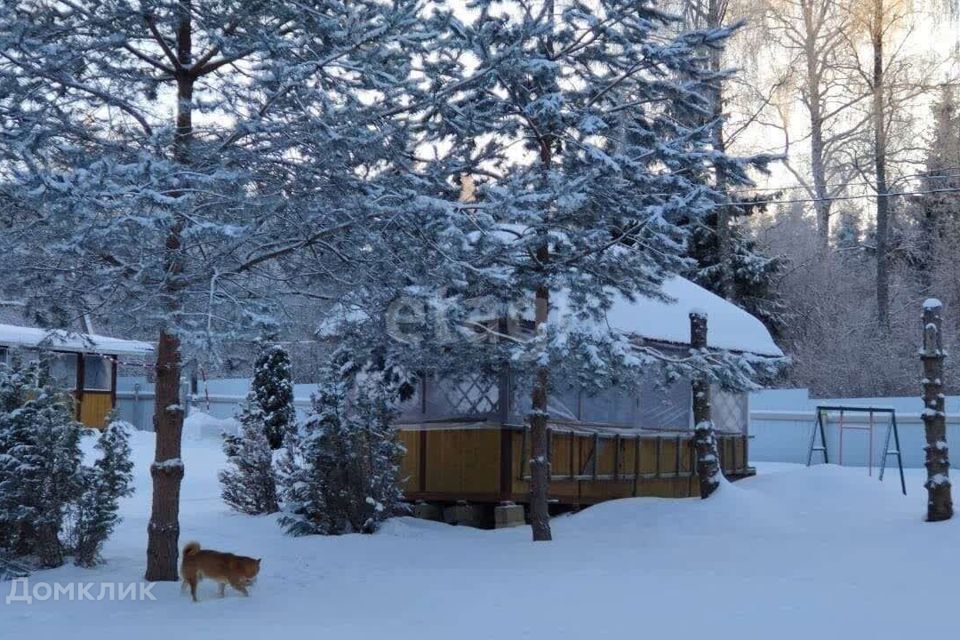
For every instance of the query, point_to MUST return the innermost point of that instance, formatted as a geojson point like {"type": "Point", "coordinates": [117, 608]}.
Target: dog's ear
{"type": "Point", "coordinates": [258, 561]}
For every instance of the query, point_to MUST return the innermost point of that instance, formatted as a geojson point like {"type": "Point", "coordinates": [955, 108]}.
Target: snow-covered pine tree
{"type": "Point", "coordinates": [848, 230]}
{"type": "Point", "coordinates": [266, 418]}
{"type": "Point", "coordinates": [248, 483]}
{"type": "Point", "coordinates": [167, 160]}
{"type": "Point", "coordinates": [374, 411]}
{"type": "Point", "coordinates": [750, 276]}
{"type": "Point", "coordinates": [937, 212]}
{"type": "Point", "coordinates": [306, 464]}
{"type": "Point", "coordinates": [40, 464]}
{"type": "Point", "coordinates": [343, 474]}
{"type": "Point", "coordinates": [272, 392]}
{"type": "Point", "coordinates": [566, 114]}
{"type": "Point", "coordinates": [109, 479]}
{"type": "Point", "coordinates": [728, 261]}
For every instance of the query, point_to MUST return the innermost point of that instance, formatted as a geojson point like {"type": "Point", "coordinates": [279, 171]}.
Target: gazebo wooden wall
{"type": "Point", "coordinates": [94, 405]}
{"type": "Point", "coordinates": [487, 463]}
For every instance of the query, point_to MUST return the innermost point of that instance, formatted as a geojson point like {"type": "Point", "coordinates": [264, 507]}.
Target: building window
{"type": "Point", "coordinates": [63, 370]}
{"type": "Point", "coordinates": [97, 373]}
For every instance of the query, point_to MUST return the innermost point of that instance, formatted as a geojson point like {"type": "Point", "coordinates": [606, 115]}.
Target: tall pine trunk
{"type": "Point", "coordinates": [880, 167]}
{"type": "Point", "coordinates": [539, 444]}
{"type": "Point", "coordinates": [939, 501]}
{"type": "Point", "coordinates": [163, 532]}
{"type": "Point", "coordinates": [704, 437]}
{"type": "Point", "coordinates": [724, 243]}
{"type": "Point", "coordinates": [540, 456]}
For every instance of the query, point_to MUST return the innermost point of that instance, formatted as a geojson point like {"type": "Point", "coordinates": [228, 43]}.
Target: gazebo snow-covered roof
{"type": "Point", "coordinates": [731, 328]}
{"type": "Point", "coordinates": [59, 340]}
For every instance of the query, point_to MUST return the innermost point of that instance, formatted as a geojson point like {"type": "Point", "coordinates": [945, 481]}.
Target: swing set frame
{"type": "Point", "coordinates": [819, 428]}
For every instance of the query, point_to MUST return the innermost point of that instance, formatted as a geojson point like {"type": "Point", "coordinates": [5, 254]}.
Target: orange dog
{"type": "Point", "coordinates": [226, 568]}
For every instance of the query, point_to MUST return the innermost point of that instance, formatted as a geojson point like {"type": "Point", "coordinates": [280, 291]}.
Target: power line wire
{"type": "Point", "coordinates": [872, 196]}
{"type": "Point", "coordinates": [867, 183]}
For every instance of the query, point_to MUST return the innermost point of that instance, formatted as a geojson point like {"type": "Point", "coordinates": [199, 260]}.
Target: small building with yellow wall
{"type": "Point", "coordinates": [468, 439]}
{"type": "Point", "coordinates": [84, 364]}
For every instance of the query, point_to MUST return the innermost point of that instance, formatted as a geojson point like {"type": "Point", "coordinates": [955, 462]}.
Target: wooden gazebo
{"type": "Point", "coordinates": [84, 364]}
{"type": "Point", "coordinates": [467, 439]}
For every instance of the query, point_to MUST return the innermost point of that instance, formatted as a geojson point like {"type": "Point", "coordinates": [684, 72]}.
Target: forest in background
{"type": "Point", "coordinates": [858, 222]}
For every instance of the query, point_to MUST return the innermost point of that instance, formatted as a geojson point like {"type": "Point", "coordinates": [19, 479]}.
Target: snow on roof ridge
{"type": "Point", "coordinates": [728, 326]}
{"type": "Point", "coordinates": [32, 337]}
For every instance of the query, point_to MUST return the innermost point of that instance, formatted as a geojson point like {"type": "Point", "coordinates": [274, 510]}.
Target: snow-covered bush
{"type": "Point", "coordinates": [342, 476]}
{"type": "Point", "coordinates": [248, 484]}
{"type": "Point", "coordinates": [272, 393]}
{"type": "Point", "coordinates": [16, 383]}
{"type": "Point", "coordinates": [108, 480]}
{"type": "Point", "coordinates": [50, 503]}
{"type": "Point", "coordinates": [266, 419]}
{"type": "Point", "coordinates": [40, 464]}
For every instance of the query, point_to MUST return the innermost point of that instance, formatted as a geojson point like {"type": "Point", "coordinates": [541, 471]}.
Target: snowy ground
{"type": "Point", "coordinates": [794, 553]}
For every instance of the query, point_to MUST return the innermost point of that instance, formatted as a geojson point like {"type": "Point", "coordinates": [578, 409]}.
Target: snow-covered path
{"type": "Point", "coordinates": [793, 553]}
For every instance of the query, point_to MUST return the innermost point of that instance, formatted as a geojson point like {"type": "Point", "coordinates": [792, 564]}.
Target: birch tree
{"type": "Point", "coordinates": [813, 34]}
{"type": "Point", "coordinates": [894, 80]}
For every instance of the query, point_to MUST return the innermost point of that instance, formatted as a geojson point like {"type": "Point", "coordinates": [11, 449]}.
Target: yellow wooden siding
{"type": "Point", "coordinates": [95, 406]}
{"type": "Point", "coordinates": [464, 461]}
{"type": "Point", "coordinates": [464, 464]}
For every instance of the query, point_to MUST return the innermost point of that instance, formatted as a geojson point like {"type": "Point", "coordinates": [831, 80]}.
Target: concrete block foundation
{"type": "Point", "coordinates": [428, 511]}
{"type": "Point", "coordinates": [469, 515]}
{"type": "Point", "coordinates": [509, 515]}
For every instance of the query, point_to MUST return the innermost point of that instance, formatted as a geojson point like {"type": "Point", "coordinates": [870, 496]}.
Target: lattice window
{"type": "Point", "coordinates": [729, 410]}
{"type": "Point", "coordinates": [467, 396]}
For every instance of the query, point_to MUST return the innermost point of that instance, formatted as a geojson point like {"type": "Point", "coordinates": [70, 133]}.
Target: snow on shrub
{"type": "Point", "coordinates": [108, 480]}
{"type": "Point", "coordinates": [266, 419]}
{"type": "Point", "coordinates": [50, 503]}
{"type": "Point", "coordinates": [341, 475]}
{"type": "Point", "coordinates": [248, 483]}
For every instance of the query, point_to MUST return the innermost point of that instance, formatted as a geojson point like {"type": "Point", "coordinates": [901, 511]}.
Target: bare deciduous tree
{"type": "Point", "coordinates": [812, 34]}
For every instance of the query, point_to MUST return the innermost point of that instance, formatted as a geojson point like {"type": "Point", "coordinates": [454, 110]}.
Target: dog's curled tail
{"type": "Point", "coordinates": [191, 548]}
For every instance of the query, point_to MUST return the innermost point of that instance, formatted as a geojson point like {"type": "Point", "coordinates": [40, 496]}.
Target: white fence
{"type": "Point", "coordinates": [784, 436]}
{"type": "Point", "coordinates": [136, 406]}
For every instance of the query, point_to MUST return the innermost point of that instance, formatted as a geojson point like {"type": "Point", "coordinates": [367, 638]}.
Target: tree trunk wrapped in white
{"type": "Point", "coordinates": [939, 501]}
{"type": "Point", "coordinates": [709, 472]}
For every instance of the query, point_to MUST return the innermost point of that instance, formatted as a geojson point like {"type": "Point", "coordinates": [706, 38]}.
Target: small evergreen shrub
{"type": "Point", "coordinates": [50, 503]}
{"type": "Point", "coordinates": [272, 392]}
{"type": "Point", "coordinates": [108, 480]}
{"type": "Point", "coordinates": [41, 474]}
{"type": "Point", "coordinates": [343, 474]}
{"type": "Point", "coordinates": [248, 485]}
